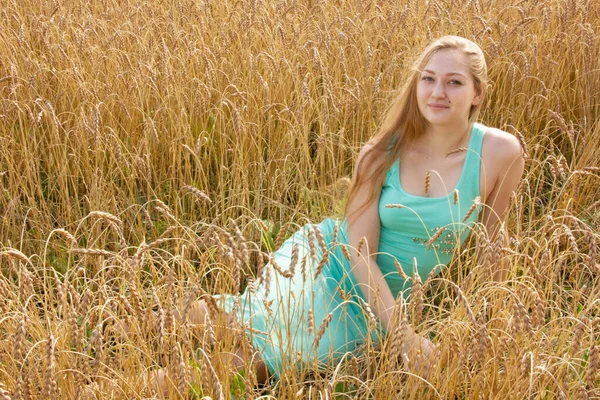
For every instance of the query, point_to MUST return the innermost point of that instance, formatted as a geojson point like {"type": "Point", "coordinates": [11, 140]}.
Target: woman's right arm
{"type": "Point", "coordinates": [365, 269]}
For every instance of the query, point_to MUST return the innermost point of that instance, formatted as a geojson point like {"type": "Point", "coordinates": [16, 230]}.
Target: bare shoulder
{"type": "Point", "coordinates": [367, 154]}
{"type": "Point", "coordinates": [503, 160]}
{"type": "Point", "coordinates": [503, 165]}
{"type": "Point", "coordinates": [500, 145]}
{"type": "Point", "coordinates": [366, 149]}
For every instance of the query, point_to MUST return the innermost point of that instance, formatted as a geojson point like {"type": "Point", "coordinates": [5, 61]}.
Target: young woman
{"type": "Point", "coordinates": [431, 162]}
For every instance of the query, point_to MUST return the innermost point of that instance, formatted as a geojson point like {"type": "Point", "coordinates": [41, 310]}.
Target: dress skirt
{"type": "Point", "coordinates": [307, 313]}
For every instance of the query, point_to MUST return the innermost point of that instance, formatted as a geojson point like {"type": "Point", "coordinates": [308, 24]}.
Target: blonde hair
{"type": "Point", "coordinates": [404, 122]}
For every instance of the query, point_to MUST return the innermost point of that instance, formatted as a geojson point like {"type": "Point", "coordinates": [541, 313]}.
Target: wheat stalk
{"type": "Point", "coordinates": [427, 182]}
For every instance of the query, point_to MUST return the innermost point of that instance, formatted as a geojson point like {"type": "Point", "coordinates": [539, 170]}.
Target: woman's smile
{"type": "Point", "coordinates": [436, 106]}
{"type": "Point", "coordinates": [446, 89]}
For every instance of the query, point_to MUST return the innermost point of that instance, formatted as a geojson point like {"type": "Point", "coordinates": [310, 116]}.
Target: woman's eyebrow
{"type": "Point", "coordinates": [448, 74]}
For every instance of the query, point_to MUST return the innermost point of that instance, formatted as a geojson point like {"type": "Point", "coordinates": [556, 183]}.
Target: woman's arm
{"type": "Point", "coordinates": [365, 268]}
{"type": "Point", "coordinates": [504, 164]}
{"type": "Point", "coordinates": [366, 271]}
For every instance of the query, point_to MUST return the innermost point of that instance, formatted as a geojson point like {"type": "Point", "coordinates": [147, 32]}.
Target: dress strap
{"type": "Point", "coordinates": [392, 172]}
{"type": "Point", "coordinates": [472, 166]}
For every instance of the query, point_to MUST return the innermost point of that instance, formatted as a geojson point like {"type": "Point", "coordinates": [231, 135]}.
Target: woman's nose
{"type": "Point", "coordinates": [438, 90]}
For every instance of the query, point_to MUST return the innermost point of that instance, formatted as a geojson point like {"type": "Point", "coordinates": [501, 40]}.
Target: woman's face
{"type": "Point", "coordinates": [446, 89]}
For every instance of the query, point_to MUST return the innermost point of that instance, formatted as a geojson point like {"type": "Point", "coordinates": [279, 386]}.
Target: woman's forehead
{"type": "Point", "coordinates": [447, 62]}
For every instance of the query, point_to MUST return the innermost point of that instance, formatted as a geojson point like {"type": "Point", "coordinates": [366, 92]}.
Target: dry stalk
{"type": "Point", "coordinates": [592, 367]}
{"type": "Point", "coordinates": [476, 202]}
{"type": "Point", "coordinates": [527, 363]}
{"type": "Point", "coordinates": [312, 245]}
{"type": "Point", "coordinates": [93, 252]}
{"type": "Point", "coordinates": [521, 321]}
{"type": "Point", "coordinates": [7, 295]}
{"type": "Point", "coordinates": [20, 336]}
{"type": "Point", "coordinates": [26, 288]}
{"type": "Point", "coordinates": [160, 320]}
{"type": "Point", "coordinates": [336, 230]}
{"type": "Point", "coordinates": [97, 341]}
{"type": "Point", "coordinates": [481, 341]}
{"type": "Point", "coordinates": [400, 270]}
{"type": "Point", "coordinates": [427, 182]}
{"type": "Point", "coordinates": [293, 262]}
{"type": "Point", "coordinates": [322, 328]}
{"type": "Point", "coordinates": [435, 237]}
{"type": "Point", "coordinates": [463, 299]}
{"type": "Point", "coordinates": [456, 350]}
{"type": "Point", "coordinates": [394, 206]}
{"type": "Point", "coordinates": [163, 209]}
{"type": "Point", "coordinates": [237, 273]}
{"type": "Point", "coordinates": [280, 237]}
{"type": "Point", "coordinates": [232, 245]}
{"type": "Point", "coordinates": [50, 386]}
{"type": "Point", "coordinates": [190, 299]}
{"type": "Point", "coordinates": [416, 296]}
{"type": "Point", "coordinates": [197, 193]}
{"type": "Point", "coordinates": [242, 245]}
{"type": "Point", "coordinates": [399, 333]}
{"type": "Point", "coordinates": [18, 395]}
{"type": "Point", "coordinates": [376, 85]}
{"type": "Point", "coordinates": [182, 370]}
{"type": "Point", "coordinates": [267, 280]}
{"type": "Point", "coordinates": [578, 334]}
{"type": "Point", "coordinates": [28, 387]}
{"type": "Point", "coordinates": [361, 243]}
{"type": "Point", "coordinates": [16, 255]}
{"type": "Point", "coordinates": [105, 216]}
{"type": "Point", "coordinates": [286, 274]}
{"type": "Point", "coordinates": [143, 247]}
{"type": "Point", "coordinates": [345, 251]}
{"type": "Point", "coordinates": [320, 239]}
{"type": "Point", "coordinates": [372, 319]}
{"type": "Point", "coordinates": [216, 384]}
{"type": "Point", "coordinates": [539, 310]}
{"type": "Point", "coordinates": [70, 238]}
{"type": "Point", "coordinates": [458, 150]}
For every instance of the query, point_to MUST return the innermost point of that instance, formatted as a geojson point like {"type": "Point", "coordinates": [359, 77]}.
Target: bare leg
{"type": "Point", "coordinates": [222, 323]}
{"type": "Point", "coordinates": [201, 318]}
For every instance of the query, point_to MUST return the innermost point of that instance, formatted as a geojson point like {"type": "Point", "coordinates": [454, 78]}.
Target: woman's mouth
{"type": "Point", "coordinates": [438, 106]}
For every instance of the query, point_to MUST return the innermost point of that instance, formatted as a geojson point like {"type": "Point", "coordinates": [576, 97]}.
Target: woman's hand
{"type": "Point", "coordinates": [420, 355]}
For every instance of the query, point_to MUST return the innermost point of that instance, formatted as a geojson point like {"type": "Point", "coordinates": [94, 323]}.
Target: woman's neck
{"type": "Point", "coordinates": [441, 140]}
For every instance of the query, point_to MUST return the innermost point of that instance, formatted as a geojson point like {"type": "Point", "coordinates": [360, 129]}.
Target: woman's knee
{"type": "Point", "coordinates": [198, 312]}
{"type": "Point", "coordinates": [208, 316]}
{"type": "Point", "coordinates": [205, 316]}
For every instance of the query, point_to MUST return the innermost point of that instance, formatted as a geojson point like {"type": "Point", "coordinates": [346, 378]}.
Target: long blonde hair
{"type": "Point", "coordinates": [404, 122]}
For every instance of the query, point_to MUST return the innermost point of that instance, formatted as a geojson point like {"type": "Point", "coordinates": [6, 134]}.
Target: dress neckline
{"type": "Point", "coordinates": [460, 179]}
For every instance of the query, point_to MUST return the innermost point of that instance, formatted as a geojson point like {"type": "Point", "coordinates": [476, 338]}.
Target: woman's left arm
{"type": "Point", "coordinates": [503, 168]}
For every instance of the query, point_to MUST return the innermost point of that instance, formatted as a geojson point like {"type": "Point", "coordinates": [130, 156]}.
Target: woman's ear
{"type": "Point", "coordinates": [479, 96]}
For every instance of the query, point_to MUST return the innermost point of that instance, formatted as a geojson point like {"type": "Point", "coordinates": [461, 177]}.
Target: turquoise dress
{"type": "Point", "coordinates": [285, 313]}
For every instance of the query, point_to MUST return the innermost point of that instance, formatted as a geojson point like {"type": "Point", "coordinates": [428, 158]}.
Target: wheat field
{"type": "Point", "coordinates": [155, 152]}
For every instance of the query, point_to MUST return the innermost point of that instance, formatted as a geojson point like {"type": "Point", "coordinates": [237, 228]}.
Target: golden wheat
{"type": "Point", "coordinates": [170, 147]}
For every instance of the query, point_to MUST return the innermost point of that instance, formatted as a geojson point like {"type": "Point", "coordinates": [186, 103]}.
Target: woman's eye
{"type": "Point", "coordinates": [455, 82]}
{"type": "Point", "coordinates": [427, 78]}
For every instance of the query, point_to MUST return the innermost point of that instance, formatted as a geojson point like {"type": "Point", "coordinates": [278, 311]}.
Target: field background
{"type": "Point", "coordinates": [151, 151]}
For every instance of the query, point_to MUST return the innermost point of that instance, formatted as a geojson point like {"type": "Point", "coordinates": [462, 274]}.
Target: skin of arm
{"type": "Point", "coordinates": [504, 167]}
{"type": "Point", "coordinates": [366, 271]}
